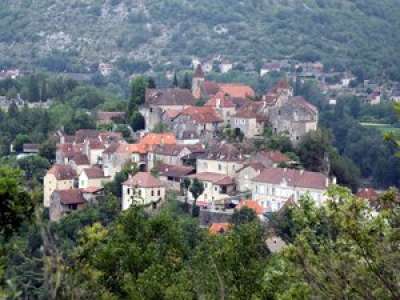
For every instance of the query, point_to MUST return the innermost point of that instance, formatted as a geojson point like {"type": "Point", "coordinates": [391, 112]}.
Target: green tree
{"type": "Point", "coordinates": [196, 189]}
{"type": "Point", "coordinates": [151, 84]}
{"type": "Point", "coordinates": [175, 82]}
{"type": "Point", "coordinates": [137, 121]}
{"type": "Point", "coordinates": [187, 83]}
{"type": "Point", "coordinates": [16, 206]}
{"type": "Point", "coordinates": [313, 151]}
{"type": "Point", "coordinates": [138, 92]}
{"type": "Point", "coordinates": [243, 216]}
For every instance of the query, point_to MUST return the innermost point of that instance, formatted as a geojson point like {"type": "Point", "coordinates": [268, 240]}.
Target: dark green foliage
{"type": "Point", "coordinates": [16, 206]}
{"type": "Point", "coordinates": [196, 189]}
{"type": "Point", "coordinates": [137, 121]}
{"type": "Point", "coordinates": [243, 216]}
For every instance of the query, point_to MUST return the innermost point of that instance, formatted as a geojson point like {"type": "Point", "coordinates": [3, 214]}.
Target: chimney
{"type": "Point", "coordinates": [301, 171]}
{"type": "Point", "coordinates": [327, 181]}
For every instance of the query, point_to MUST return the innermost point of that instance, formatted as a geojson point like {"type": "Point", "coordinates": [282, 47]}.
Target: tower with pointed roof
{"type": "Point", "coordinates": [198, 80]}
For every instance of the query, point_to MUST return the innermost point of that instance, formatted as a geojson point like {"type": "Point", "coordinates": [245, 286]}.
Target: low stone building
{"type": "Point", "coordinates": [59, 177]}
{"type": "Point", "coordinates": [250, 119]}
{"type": "Point", "coordinates": [172, 176]}
{"type": "Point", "coordinates": [203, 121]}
{"type": "Point", "coordinates": [64, 202]}
{"type": "Point", "coordinates": [218, 189]}
{"type": "Point", "coordinates": [175, 154]}
{"type": "Point", "coordinates": [92, 178]}
{"type": "Point", "coordinates": [294, 117]}
{"type": "Point", "coordinates": [224, 159]}
{"type": "Point", "coordinates": [142, 189]}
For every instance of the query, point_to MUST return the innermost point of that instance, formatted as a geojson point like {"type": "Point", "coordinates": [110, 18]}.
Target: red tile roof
{"type": "Point", "coordinates": [169, 97]}
{"type": "Point", "coordinates": [304, 103]}
{"type": "Point", "coordinates": [237, 90]}
{"type": "Point", "coordinates": [202, 115]}
{"type": "Point", "coordinates": [214, 178]}
{"type": "Point", "coordinates": [174, 171]}
{"type": "Point", "coordinates": [219, 228]}
{"type": "Point", "coordinates": [62, 172]}
{"type": "Point", "coordinates": [94, 173]}
{"type": "Point", "coordinates": [158, 139]}
{"type": "Point", "coordinates": [80, 159]}
{"type": "Point", "coordinates": [224, 152]}
{"type": "Point", "coordinates": [368, 194]}
{"type": "Point", "coordinates": [293, 178]}
{"type": "Point", "coordinates": [220, 100]}
{"type": "Point", "coordinates": [274, 156]}
{"type": "Point", "coordinates": [73, 196]}
{"type": "Point", "coordinates": [257, 208]}
{"type": "Point", "coordinates": [252, 110]}
{"type": "Point", "coordinates": [143, 180]}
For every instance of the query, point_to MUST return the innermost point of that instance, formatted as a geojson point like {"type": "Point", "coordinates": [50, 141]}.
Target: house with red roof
{"type": "Point", "coordinates": [250, 119]}
{"type": "Point", "coordinates": [225, 159]}
{"type": "Point", "coordinates": [65, 202]}
{"type": "Point", "coordinates": [92, 177]}
{"type": "Point", "coordinates": [178, 154]}
{"type": "Point", "coordinates": [217, 189]}
{"type": "Point", "coordinates": [142, 189]}
{"type": "Point", "coordinates": [274, 186]}
{"type": "Point", "coordinates": [59, 177]}
{"type": "Point", "coordinates": [158, 101]}
{"type": "Point", "coordinates": [203, 121]}
{"type": "Point", "coordinates": [223, 105]}
{"type": "Point", "coordinates": [204, 89]}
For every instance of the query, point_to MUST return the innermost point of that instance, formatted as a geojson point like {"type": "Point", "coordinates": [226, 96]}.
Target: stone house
{"type": "Point", "coordinates": [295, 117]}
{"type": "Point", "coordinates": [224, 159]}
{"type": "Point", "coordinates": [274, 186]}
{"type": "Point", "coordinates": [157, 101]}
{"type": "Point", "coordinates": [79, 162]}
{"type": "Point", "coordinates": [245, 175]}
{"type": "Point", "coordinates": [142, 189]}
{"type": "Point", "coordinates": [217, 189]}
{"type": "Point", "coordinates": [172, 176]}
{"type": "Point", "coordinates": [92, 178]}
{"type": "Point", "coordinates": [111, 163]}
{"type": "Point", "coordinates": [203, 121]}
{"type": "Point", "coordinates": [64, 202]}
{"type": "Point", "coordinates": [250, 119]}
{"type": "Point", "coordinates": [223, 105]}
{"type": "Point", "coordinates": [59, 177]}
{"type": "Point", "coordinates": [175, 154]}
{"type": "Point", "coordinates": [270, 158]}
{"type": "Point", "coordinates": [138, 153]}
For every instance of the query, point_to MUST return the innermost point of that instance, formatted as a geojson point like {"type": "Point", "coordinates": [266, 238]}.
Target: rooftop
{"type": "Point", "coordinates": [143, 180]}
{"type": "Point", "coordinates": [294, 178]}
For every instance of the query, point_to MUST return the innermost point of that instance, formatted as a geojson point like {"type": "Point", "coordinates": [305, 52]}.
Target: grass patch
{"type": "Point", "coordinates": [384, 128]}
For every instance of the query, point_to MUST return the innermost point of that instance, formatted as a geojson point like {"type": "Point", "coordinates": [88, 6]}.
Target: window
{"type": "Point", "coordinates": [152, 193]}
{"type": "Point", "coordinates": [140, 193]}
{"type": "Point", "coordinates": [158, 193]}
{"type": "Point", "coordinates": [219, 167]}
{"type": "Point", "coordinates": [273, 191]}
{"type": "Point", "coordinates": [216, 188]}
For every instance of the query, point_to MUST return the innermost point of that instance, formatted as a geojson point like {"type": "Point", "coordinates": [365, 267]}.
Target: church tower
{"type": "Point", "coordinates": [197, 81]}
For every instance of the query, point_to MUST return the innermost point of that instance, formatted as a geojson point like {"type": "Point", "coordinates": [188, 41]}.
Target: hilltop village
{"type": "Point", "coordinates": [212, 144]}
